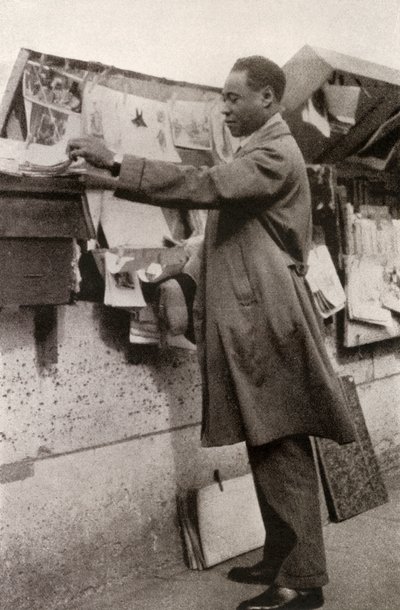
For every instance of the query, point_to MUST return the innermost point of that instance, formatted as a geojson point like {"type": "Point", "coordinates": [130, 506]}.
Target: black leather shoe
{"type": "Point", "coordinates": [257, 574]}
{"type": "Point", "coordinates": [290, 599]}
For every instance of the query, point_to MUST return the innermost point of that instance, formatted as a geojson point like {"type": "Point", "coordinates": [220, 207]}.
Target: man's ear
{"type": "Point", "coordinates": [268, 96]}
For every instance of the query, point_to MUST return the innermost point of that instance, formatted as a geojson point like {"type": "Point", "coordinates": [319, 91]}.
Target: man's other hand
{"type": "Point", "coordinates": [93, 150]}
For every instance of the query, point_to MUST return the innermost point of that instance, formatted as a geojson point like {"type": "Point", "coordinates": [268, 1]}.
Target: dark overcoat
{"type": "Point", "coordinates": [265, 370]}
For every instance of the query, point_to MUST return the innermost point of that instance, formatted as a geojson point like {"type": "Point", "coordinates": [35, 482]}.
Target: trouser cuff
{"type": "Point", "coordinates": [301, 582]}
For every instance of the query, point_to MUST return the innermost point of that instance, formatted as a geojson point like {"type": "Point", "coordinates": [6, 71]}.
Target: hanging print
{"type": "Point", "coordinates": [128, 123]}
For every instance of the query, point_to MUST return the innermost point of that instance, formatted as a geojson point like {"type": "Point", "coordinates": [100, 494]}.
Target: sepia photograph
{"type": "Point", "coordinates": [200, 304]}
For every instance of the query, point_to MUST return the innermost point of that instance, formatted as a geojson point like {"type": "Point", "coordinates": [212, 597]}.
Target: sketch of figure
{"type": "Point", "coordinates": [96, 122]}
{"type": "Point", "coordinates": [193, 129]}
{"type": "Point", "coordinates": [161, 117]}
{"type": "Point", "coordinates": [162, 140]}
{"type": "Point", "coordinates": [176, 129]}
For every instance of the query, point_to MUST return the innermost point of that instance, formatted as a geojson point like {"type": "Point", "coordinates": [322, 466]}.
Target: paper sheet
{"type": "Point", "coordinates": [128, 123]}
{"type": "Point", "coordinates": [137, 225]}
{"type": "Point", "coordinates": [191, 124]}
{"type": "Point", "coordinates": [324, 282]}
{"type": "Point", "coordinates": [342, 102]}
{"type": "Point", "coordinates": [311, 115]}
{"type": "Point", "coordinates": [122, 286]}
{"type": "Point", "coordinates": [365, 287]}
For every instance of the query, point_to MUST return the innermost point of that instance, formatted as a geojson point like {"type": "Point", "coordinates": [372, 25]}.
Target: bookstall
{"type": "Point", "coordinates": [64, 514]}
{"type": "Point", "coordinates": [345, 112]}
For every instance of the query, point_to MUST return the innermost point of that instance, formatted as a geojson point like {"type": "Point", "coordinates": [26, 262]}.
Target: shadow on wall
{"type": "Point", "coordinates": [174, 372]}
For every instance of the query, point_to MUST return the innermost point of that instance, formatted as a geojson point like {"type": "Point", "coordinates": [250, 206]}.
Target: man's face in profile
{"type": "Point", "coordinates": [244, 108]}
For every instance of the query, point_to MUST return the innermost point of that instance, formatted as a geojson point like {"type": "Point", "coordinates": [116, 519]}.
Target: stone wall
{"type": "Point", "coordinates": [94, 450]}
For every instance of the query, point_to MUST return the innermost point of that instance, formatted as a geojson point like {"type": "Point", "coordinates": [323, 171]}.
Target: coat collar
{"type": "Point", "coordinates": [273, 128]}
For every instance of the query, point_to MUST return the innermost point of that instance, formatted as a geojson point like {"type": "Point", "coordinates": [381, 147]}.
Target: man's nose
{"type": "Point", "coordinates": [225, 109]}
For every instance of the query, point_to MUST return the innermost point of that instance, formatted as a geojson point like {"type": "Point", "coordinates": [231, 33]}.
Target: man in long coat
{"type": "Point", "coordinates": [267, 379]}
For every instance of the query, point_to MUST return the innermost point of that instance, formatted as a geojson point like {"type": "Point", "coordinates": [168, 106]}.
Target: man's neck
{"type": "Point", "coordinates": [272, 119]}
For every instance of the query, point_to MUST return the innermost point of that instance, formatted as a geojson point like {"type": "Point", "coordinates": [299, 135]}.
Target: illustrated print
{"type": "Point", "coordinates": [46, 126]}
{"type": "Point", "coordinates": [96, 122]}
{"type": "Point", "coordinates": [49, 86]}
{"type": "Point", "coordinates": [128, 123]}
{"type": "Point", "coordinates": [191, 125]}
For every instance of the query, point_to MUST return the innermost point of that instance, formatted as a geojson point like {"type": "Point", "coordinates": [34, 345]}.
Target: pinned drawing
{"type": "Point", "coordinates": [96, 122]}
{"type": "Point", "coordinates": [191, 124]}
{"type": "Point", "coordinates": [101, 108]}
{"type": "Point", "coordinates": [128, 123]}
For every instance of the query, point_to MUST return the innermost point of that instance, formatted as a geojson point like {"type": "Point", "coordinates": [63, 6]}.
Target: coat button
{"type": "Point", "coordinates": [301, 269]}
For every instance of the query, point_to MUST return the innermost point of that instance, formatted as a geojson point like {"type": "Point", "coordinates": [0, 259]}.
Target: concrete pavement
{"type": "Point", "coordinates": [363, 559]}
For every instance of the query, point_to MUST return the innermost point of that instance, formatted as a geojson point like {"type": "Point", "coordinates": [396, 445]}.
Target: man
{"type": "Point", "coordinates": [267, 379]}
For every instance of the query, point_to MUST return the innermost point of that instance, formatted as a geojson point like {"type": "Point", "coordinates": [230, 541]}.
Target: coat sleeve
{"type": "Point", "coordinates": [258, 177]}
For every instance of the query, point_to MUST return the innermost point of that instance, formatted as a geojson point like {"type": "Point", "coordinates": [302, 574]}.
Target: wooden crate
{"type": "Point", "coordinates": [39, 220]}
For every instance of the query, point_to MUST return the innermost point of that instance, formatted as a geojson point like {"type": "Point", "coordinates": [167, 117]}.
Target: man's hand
{"type": "Point", "coordinates": [93, 150]}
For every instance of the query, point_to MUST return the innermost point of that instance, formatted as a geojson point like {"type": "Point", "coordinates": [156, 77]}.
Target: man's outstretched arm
{"type": "Point", "coordinates": [256, 178]}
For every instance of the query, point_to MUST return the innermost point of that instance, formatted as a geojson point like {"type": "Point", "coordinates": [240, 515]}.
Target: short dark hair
{"type": "Point", "coordinates": [262, 72]}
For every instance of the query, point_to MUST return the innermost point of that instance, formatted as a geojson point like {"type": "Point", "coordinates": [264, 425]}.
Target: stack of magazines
{"type": "Point", "coordinates": [44, 171]}
{"type": "Point", "coordinates": [18, 158]}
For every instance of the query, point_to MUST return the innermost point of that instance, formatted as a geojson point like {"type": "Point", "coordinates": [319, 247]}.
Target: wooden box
{"type": "Point", "coordinates": [39, 221]}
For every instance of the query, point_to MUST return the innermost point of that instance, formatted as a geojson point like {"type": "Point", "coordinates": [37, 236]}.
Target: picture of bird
{"type": "Point", "coordinates": [139, 120]}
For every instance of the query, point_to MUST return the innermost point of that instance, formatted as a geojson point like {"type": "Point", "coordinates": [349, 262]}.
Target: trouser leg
{"type": "Point", "coordinates": [287, 489]}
